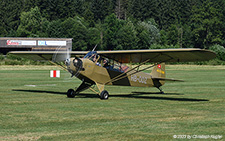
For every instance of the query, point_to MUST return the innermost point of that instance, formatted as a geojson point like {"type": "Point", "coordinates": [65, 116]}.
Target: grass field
{"type": "Point", "coordinates": [35, 107]}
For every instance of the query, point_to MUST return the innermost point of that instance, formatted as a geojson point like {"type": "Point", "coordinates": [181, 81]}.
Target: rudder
{"type": "Point", "coordinates": [159, 71]}
{"type": "Point", "coordinates": [158, 74]}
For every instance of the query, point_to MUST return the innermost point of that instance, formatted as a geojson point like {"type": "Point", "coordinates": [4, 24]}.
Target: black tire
{"type": "Point", "coordinates": [104, 95]}
{"type": "Point", "coordinates": [71, 93]}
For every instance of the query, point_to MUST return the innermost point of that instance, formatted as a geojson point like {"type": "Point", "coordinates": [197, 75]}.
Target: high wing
{"type": "Point", "coordinates": [132, 56]}
{"type": "Point", "coordinates": [44, 55]}
{"type": "Point", "coordinates": [159, 55]}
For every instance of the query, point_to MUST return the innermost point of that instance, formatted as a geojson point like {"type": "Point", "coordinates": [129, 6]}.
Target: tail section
{"type": "Point", "coordinates": [158, 75]}
{"type": "Point", "coordinates": [159, 71]}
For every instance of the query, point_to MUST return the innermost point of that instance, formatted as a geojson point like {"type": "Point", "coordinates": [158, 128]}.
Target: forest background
{"type": "Point", "coordinates": [119, 24]}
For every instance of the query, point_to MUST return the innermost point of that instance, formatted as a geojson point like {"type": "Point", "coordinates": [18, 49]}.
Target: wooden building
{"type": "Point", "coordinates": [34, 44]}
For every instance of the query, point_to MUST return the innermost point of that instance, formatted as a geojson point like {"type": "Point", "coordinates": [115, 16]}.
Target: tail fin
{"type": "Point", "coordinates": [159, 71]}
{"type": "Point", "coordinates": [158, 75]}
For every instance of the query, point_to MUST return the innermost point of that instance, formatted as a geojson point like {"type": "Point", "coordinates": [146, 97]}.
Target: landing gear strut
{"type": "Point", "coordinates": [84, 85]}
{"type": "Point", "coordinates": [161, 91]}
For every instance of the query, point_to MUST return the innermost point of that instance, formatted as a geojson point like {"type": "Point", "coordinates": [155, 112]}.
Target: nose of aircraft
{"type": "Point", "coordinates": [74, 65]}
{"type": "Point", "coordinates": [67, 62]}
{"type": "Point", "coordinates": [77, 63]}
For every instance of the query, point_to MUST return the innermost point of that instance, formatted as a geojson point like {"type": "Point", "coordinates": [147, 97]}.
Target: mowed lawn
{"type": "Point", "coordinates": [34, 106]}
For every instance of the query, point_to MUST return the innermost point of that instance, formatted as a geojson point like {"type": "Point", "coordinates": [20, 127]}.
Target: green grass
{"type": "Point", "coordinates": [34, 106]}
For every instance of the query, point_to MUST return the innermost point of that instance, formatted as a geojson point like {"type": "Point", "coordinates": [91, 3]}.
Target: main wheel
{"type": "Point", "coordinates": [104, 95]}
{"type": "Point", "coordinates": [71, 93]}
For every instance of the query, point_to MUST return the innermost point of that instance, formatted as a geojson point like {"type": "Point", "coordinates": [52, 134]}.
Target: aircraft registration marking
{"type": "Point", "coordinates": [139, 79]}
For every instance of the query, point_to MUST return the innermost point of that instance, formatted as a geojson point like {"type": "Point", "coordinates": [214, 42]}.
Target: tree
{"type": "Point", "coordinates": [220, 4]}
{"type": "Point", "coordinates": [126, 37]}
{"type": "Point", "coordinates": [112, 26]}
{"type": "Point", "coordinates": [101, 9]}
{"type": "Point", "coordinates": [60, 9]}
{"type": "Point", "coordinates": [143, 9]}
{"type": "Point", "coordinates": [166, 12]}
{"type": "Point", "coordinates": [9, 13]}
{"type": "Point", "coordinates": [148, 34]}
{"type": "Point", "coordinates": [121, 9]}
{"type": "Point", "coordinates": [206, 25]}
{"type": "Point", "coordinates": [94, 38]}
{"type": "Point", "coordinates": [89, 17]}
{"type": "Point", "coordinates": [172, 35]}
{"type": "Point", "coordinates": [136, 9]}
{"type": "Point", "coordinates": [55, 29]}
{"type": "Point", "coordinates": [28, 4]}
{"type": "Point", "coordinates": [3, 31]}
{"type": "Point", "coordinates": [75, 28]}
{"type": "Point", "coordinates": [219, 50]}
{"type": "Point", "coordinates": [32, 24]}
{"type": "Point", "coordinates": [187, 41]}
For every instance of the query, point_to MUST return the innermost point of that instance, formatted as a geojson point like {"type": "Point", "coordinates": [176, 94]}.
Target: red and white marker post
{"type": "Point", "coordinates": [55, 73]}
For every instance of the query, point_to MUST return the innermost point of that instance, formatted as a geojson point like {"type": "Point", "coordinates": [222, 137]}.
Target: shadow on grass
{"type": "Point", "coordinates": [137, 95]}
{"type": "Point", "coordinates": [151, 93]}
{"type": "Point", "coordinates": [39, 91]}
{"type": "Point", "coordinates": [158, 97]}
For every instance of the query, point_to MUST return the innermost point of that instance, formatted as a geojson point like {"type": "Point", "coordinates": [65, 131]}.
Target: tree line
{"type": "Point", "coordinates": [118, 24]}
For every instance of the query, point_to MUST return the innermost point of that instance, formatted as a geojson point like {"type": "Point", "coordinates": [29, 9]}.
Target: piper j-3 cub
{"type": "Point", "coordinates": [102, 68]}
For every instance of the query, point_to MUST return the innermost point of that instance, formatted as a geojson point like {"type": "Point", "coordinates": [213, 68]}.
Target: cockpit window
{"type": "Point", "coordinates": [93, 56]}
{"type": "Point", "coordinates": [90, 54]}
{"type": "Point", "coordinates": [114, 65]}
{"type": "Point", "coordinates": [105, 62]}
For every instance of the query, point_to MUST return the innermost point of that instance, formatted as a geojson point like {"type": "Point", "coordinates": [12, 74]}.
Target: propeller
{"type": "Point", "coordinates": [61, 55]}
{"type": "Point", "coordinates": [73, 65]}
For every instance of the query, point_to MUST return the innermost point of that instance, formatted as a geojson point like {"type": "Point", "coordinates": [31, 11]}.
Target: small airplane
{"type": "Point", "coordinates": [102, 68]}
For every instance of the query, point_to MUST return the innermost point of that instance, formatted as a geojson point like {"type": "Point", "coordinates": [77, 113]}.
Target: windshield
{"type": "Point", "coordinates": [90, 54]}
{"type": "Point", "coordinates": [105, 62]}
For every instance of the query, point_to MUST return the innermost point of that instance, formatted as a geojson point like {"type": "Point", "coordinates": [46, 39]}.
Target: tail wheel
{"type": "Point", "coordinates": [71, 93]}
{"type": "Point", "coordinates": [104, 95]}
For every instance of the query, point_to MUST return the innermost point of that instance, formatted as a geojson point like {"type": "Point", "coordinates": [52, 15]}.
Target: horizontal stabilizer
{"type": "Point", "coordinates": [166, 79]}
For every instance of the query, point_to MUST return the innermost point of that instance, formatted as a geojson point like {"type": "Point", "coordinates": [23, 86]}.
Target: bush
{"type": "Point", "coordinates": [219, 50]}
{"type": "Point", "coordinates": [1, 57]}
{"type": "Point", "coordinates": [15, 60]}
{"type": "Point", "coordinates": [216, 62]}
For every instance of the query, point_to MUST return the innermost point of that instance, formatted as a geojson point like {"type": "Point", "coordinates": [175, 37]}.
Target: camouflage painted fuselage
{"type": "Point", "coordinates": [108, 76]}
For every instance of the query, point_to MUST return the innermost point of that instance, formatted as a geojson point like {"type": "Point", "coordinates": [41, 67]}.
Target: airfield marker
{"type": "Point", "coordinates": [55, 73]}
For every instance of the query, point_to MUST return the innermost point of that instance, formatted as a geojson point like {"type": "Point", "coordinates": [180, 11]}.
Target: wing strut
{"type": "Point", "coordinates": [119, 76]}
{"type": "Point", "coordinates": [115, 78]}
{"type": "Point", "coordinates": [131, 73]}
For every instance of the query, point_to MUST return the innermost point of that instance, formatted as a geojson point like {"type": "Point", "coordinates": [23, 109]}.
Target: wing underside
{"type": "Point", "coordinates": [44, 55]}
{"type": "Point", "coordinates": [132, 56]}
{"type": "Point", "coordinates": [160, 55]}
